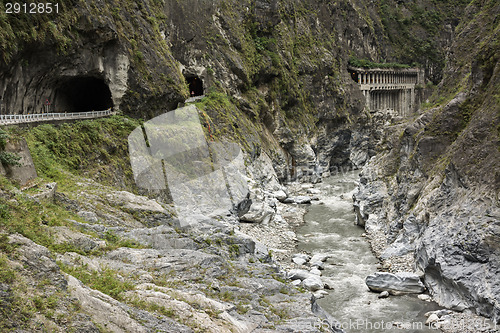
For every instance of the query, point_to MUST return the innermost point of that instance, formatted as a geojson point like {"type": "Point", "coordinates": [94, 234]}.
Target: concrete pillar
{"type": "Point", "coordinates": [401, 102]}
{"type": "Point", "coordinates": [407, 101]}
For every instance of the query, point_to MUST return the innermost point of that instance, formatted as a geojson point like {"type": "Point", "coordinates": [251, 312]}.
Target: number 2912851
{"type": "Point", "coordinates": [31, 8]}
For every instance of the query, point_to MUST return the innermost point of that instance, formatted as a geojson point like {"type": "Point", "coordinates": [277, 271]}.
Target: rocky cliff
{"type": "Point", "coordinates": [274, 79]}
{"type": "Point", "coordinates": [280, 66]}
{"type": "Point", "coordinates": [431, 195]}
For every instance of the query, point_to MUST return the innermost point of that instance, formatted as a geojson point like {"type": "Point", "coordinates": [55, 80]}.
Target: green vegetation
{"type": "Point", "coordinates": [222, 120]}
{"type": "Point", "coordinates": [151, 307]}
{"type": "Point", "coordinates": [27, 217]}
{"type": "Point", "coordinates": [364, 63]}
{"type": "Point", "coordinates": [414, 28]}
{"type": "Point", "coordinates": [7, 158]}
{"type": "Point", "coordinates": [14, 310]}
{"type": "Point", "coordinates": [107, 280]}
{"type": "Point", "coordinates": [17, 30]}
{"type": "Point", "coordinates": [95, 149]}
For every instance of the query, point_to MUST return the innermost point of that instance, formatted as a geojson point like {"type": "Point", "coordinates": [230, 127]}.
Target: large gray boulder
{"type": "Point", "coordinates": [395, 284]}
{"type": "Point", "coordinates": [313, 283]}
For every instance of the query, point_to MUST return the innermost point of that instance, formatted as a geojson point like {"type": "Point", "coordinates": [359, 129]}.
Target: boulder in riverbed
{"type": "Point", "coordinates": [395, 284]}
{"type": "Point", "coordinates": [302, 199]}
{"type": "Point", "coordinates": [298, 274]}
{"type": "Point", "coordinates": [280, 195]}
{"type": "Point", "coordinates": [313, 283]}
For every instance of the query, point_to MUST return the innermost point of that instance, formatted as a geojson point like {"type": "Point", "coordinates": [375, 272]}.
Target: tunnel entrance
{"type": "Point", "coordinates": [195, 85]}
{"type": "Point", "coordinates": [354, 76]}
{"type": "Point", "coordinates": [81, 94]}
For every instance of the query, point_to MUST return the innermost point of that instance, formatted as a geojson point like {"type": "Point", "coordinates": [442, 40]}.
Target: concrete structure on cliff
{"type": "Point", "coordinates": [393, 89]}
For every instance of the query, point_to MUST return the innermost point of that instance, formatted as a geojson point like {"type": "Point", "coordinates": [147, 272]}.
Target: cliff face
{"type": "Point", "coordinates": [279, 65]}
{"type": "Point", "coordinates": [435, 184]}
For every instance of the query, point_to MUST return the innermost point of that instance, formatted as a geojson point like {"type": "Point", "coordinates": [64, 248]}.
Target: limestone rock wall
{"type": "Point", "coordinates": [431, 195]}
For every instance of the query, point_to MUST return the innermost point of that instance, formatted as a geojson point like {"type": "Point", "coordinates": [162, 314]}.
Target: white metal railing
{"type": "Point", "coordinates": [6, 119]}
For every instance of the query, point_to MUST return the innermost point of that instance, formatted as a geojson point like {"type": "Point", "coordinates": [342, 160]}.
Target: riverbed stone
{"type": "Point", "coordinates": [280, 195]}
{"type": "Point", "coordinates": [302, 199]}
{"type": "Point", "coordinates": [299, 261]}
{"type": "Point", "coordinates": [260, 212]}
{"type": "Point", "coordinates": [304, 256]}
{"type": "Point", "coordinates": [432, 319]}
{"type": "Point", "coordinates": [318, 260]}
{"type": "Point", "coordinates": [383, 294]}
{"type": "Point", "coordinates": [395, 284]}
{"type": "Point", "coordinates": [315, 271]}
{"type": "Point", "coordinates": [424, 297]}
{"type": "Point", "coordinates": [320, 294]}
{"type": "Point", "coordinates": [313, 283]}
{"type": "Point", "coordinates": [298, 274]}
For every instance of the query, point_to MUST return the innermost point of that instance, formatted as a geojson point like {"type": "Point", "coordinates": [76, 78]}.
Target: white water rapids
{"type": "Point", "coordinates": [330, 229]}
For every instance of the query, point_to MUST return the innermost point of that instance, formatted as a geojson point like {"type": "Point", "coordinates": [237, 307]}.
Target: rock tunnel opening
{"type": "Point", "coordinates": [354, 76]}
{"type": "Point", "coordinates": [195, 85]}
{"type": "Point", "coordinates": [81, 94]}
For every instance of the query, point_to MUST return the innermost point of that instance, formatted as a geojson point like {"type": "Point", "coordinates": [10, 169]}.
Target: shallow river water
{"type": "Point", "coordinates": [330, 228]}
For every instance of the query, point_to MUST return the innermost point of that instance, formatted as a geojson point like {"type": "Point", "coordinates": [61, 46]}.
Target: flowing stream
{"type": "Point", "coordinates": [330, 228]}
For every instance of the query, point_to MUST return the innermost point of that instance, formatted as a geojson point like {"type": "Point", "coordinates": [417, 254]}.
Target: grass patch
{"type": "Point", "coordinates": [96, 149]}
{"type": "Point", "coordinates": [151, 307]}
{"type": "Point", "coordinates": [107, 280]}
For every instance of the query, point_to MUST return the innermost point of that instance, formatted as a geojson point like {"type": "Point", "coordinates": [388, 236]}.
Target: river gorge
{"type": "Point", "coordinates": [250, 166]}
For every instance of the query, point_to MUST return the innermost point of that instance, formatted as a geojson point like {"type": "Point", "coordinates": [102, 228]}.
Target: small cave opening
{"type": "Point", "coordinates": [195, 85]}
{"type": "Point", "coordinates": [354, 76]}
{"type": "Point", "coordinates": [81, 94]}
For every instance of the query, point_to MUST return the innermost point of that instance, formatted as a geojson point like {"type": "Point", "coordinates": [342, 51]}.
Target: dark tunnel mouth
{"type": "Point", "coordinates": [354, 75]}
{"type": "Point", "coordinates": [82, 94]}
{"type": "Point", "coordinates": [195, 85]}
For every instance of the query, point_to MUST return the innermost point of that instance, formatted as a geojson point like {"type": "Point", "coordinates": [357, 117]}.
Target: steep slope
{"type": "Point", "coordinates": [432, 192]}
{"type": "Point", "coordinates": [280, 65]}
